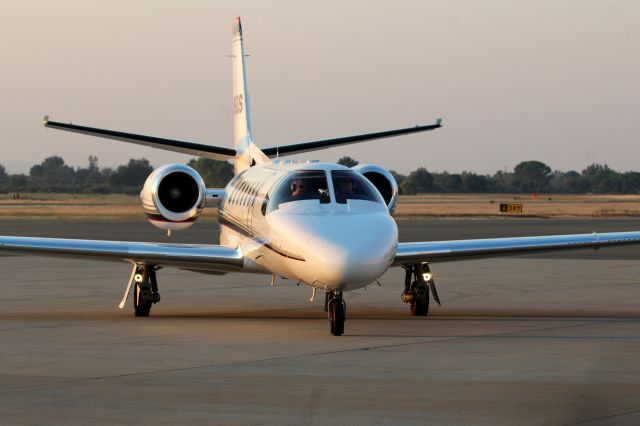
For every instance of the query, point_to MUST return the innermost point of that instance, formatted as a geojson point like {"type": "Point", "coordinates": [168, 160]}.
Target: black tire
{"type": "Point", "coordinates": [141, 309]}
{"type": "Point", "coordinates": [419, 309]}
{"type": "Point", "coordinates": [337, 316]}
{"type": "Point", "coordinates": [420, 304]}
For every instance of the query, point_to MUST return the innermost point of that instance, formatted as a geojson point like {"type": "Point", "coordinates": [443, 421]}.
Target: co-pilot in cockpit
{"type": "Point", "coordinates": [349, 185]}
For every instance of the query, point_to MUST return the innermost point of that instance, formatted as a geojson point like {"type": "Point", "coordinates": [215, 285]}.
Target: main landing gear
{"type": "Point", "coordinates": [418, 281]}
{"type": "Point", "coordinates": [145, 292]}
{"type": "Point", "coordinates": [337, 310]}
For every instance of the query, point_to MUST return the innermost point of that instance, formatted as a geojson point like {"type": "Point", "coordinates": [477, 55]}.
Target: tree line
{"type": "Point", "coordinates": [53, 175]}
{"type": "Point", "coordinates": [526, 177]}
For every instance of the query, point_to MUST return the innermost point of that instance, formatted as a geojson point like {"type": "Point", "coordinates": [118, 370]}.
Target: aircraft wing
{"type": "Point", "coordinates": [190, 148]}
{"type": "Point", "coordinates": [447, 251]}
{"type": "Point", "coordinates": [328, 143]}
{"type": "Point", "coordinates": [195, 256]}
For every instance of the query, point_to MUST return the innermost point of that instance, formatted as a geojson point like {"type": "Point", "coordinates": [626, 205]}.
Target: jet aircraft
{"type": "Point", "coordinates": [324, 225]}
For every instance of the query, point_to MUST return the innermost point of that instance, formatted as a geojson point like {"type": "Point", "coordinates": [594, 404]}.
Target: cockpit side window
{"type": "Point", "coordinates": [301, 185]}
{"type": "Point", "coordinates": [350, 185]}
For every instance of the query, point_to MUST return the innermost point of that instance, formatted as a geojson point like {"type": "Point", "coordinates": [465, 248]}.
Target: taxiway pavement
{"type": "Point", "coordinates": [545, 339]}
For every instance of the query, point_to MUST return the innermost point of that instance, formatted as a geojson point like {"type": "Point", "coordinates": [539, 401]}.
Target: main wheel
{"type": "Point", "coordinates": [420, 304]}
{"type": "Point", "coordinates": [141, 303]}
{"type": "Point", "coordinates": [337, 316]}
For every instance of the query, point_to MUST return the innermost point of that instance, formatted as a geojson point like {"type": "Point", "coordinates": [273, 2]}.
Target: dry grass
{"type": "Point", "coordinates": [547, 205]}
{"type": "Point", "coordinates": [71, 206]}
{"type": "Point", "coordinates": [74, 206]}
{"type": "Point", "coordinates": [52, 206]}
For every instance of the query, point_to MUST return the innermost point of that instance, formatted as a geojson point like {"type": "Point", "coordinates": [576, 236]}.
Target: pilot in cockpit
{"type": "Point", "coordinates": [299, 188]}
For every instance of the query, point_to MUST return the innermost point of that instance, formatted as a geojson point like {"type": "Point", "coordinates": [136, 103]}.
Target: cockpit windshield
{"type": "Point", "coordinates": [350, 185]}
{"type": "Point", "coordinates": [301, 185]}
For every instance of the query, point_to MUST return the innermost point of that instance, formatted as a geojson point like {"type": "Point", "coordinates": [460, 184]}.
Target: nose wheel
{"type": "Point", "coordinates": [337, 312]}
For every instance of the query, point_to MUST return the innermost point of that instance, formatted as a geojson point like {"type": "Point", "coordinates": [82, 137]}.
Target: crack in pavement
{"type": "Point", "coordinates": [439, 340]}
{"type": "Point", "coordinates": [598, 419]}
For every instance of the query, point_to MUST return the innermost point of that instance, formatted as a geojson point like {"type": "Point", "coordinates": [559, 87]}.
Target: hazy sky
{"type": "Point", "coordinates": [555, 81]}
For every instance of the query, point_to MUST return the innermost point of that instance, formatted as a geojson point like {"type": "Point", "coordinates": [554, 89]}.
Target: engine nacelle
{"type": "Point", "coordinates": [173, 197]}
{"type": "Point", "coordinates": [383, 181]}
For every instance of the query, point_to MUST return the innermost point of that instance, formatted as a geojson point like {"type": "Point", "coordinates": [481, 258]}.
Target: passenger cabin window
{"type": "Point", "coordinates": [233, 189]}
{"type": "Point", "coordinates": [299, 186]}
{"type": "Point", "coordinates": [350, 185]}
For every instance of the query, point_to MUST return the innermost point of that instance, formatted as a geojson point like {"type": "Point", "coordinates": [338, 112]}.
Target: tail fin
{"type": "Point", "coordinates": [247, 153]}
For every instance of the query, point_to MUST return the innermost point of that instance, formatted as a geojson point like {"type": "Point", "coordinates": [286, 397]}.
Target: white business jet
{"type": "Point", "coordinates": [324, 225]}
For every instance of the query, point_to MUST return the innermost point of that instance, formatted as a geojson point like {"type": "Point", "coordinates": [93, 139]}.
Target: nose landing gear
{"type": "Point", "coordinates": [337, 310]}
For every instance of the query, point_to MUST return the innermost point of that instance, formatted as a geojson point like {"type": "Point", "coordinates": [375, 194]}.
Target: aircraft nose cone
{"type": "Point", "coordinates": [354, 256]}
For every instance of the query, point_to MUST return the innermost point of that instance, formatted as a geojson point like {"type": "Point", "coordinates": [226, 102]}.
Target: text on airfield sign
{"type": "Point", "coordinates": [510, 208]}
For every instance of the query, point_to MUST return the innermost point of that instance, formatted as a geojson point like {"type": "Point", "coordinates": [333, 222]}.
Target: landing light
{"type": "Point", "coordinates": [426, 276]}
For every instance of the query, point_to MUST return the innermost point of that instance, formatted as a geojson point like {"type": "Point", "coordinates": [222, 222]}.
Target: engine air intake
{"type": "Point", "coordinates": [178, 192]}
{"type": "Point", "coordinates": [173, 196]}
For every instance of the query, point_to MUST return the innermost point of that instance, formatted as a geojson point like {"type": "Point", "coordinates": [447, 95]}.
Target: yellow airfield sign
{"type": "Point", "coordinates": [510, 208]}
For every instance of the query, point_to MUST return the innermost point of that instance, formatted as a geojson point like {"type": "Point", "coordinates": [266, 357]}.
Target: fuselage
{"type": "Point", "coordinates": [294, 220]}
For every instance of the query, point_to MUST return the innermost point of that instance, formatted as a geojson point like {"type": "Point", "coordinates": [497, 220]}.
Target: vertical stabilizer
{"type": "Point", "coordinates": [247, 152]}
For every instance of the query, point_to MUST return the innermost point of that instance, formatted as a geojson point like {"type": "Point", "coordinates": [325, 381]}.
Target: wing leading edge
{"type": "Point", "coordinates": [448, 251]}
{"type": "Point", "coordinates": [196, 256]}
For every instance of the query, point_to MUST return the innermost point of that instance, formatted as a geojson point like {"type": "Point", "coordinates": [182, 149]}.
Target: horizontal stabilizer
{"type": "Point", "coordinates": [222, 153]}
{"type": "Point", "coordinates": [190, 148]}
{"type": "Point", "coordinates": [329, 143]}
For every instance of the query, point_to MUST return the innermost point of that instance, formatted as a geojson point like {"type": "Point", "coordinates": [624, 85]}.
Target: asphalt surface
{"type": "Point", "coordinates": [550, 339]}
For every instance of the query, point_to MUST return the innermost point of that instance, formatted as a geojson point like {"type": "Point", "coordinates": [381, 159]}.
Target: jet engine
{"type": "Point", "coordinates": [383, 181]}
{"type": "Point", "coordinates": [173, 197]}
